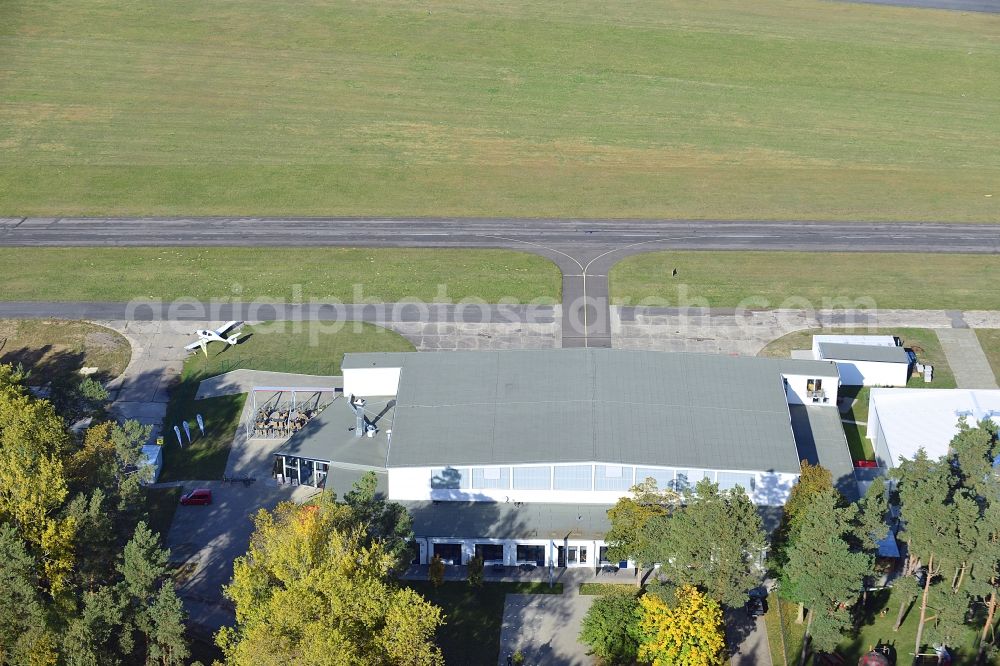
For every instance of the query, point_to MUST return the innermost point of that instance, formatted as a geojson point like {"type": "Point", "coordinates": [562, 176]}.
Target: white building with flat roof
{"type": "Point", "coordinates": [901, 421]}
{"type": "Point", "coordinates": [517, 455]}
{"type": "Point", "coordinates": [865, 360]}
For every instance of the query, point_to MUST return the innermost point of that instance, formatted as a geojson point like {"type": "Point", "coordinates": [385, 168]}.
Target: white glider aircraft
{"type": "Point", "coordinates": [207, 335]}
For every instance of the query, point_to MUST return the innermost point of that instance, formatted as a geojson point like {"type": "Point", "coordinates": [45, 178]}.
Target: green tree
{"type": "Point", "coordinates": [143, 564]}
{"type": "Point", "coordinates": [630, 536]}
{"type": "Point", "coordinates": [388, 523]}
{"type": "Point", "coordinates": [96, 537]}
{"type": "Point", "coordinates": [713, 541]}
{"type": "Point", "coordinates": [93, 638]}
{"type": "Point", "coordinates": [610, 628]}
{"type": "Point", "coordinates": [311, 590]}
{"type": "Point", "coordinates": [906, 589]}
{"type": "Point", "coordinates": [167, 645]}
{"type": "Point", "coordinates": [476, 571]}
{"type": "Point", "coordinates": [111, 458]}
{"type": "Point", "coordinates": [435, 571]}
{"type": "Point", "coordinates": [939, 525]}
{"type": "Point", "coordinates": [823, 572]}
{"type": "Point", "coordinates": [24, 618]}
{"type": "Point", "coordinates": [871, 524]}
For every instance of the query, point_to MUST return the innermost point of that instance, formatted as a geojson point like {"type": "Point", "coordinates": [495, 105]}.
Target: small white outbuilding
{"type": "Point", "coordinates": [864, 360]}
{"type": "Point", "coordinates": [153, 456]}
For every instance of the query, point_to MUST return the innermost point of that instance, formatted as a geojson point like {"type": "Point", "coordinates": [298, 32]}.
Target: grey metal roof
{"type": "Point", "coordinates": [353, 361]}
{"type": "Point", "coordinates": [578, 405]}
{"type": "Point", "coordinates": [875, 353]}
{"type": "Point", "coordinates": [330, 436]}
{"type": "Point", "coordinates": [507, 520]}
{"type": "Point", "coordinates": [529, 520]}
{"type": "Point", "coordinates": [821, 440]}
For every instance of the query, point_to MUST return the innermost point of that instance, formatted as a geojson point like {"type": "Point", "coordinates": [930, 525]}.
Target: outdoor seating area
{"type": "Point", "coordinates": [280, 412]}
{"type": "Point", "coordinates": [280, 424]}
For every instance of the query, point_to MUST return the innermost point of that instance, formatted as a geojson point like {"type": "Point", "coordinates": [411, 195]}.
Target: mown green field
{"type": "Point", "coordinates": [667, 108]}
{"type": "Point", "coordinates": [346, 275]}
{"type": "Point", "coordinates": [809, 280]}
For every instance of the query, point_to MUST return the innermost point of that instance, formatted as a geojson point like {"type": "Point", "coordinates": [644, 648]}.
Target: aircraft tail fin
{"type": "Point", "coordinates": [233, 339]}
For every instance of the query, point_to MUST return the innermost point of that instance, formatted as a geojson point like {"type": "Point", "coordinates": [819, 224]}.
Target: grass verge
{"type": "Point", "coordinates": [989, 340]}
{"type": "Point", "coordinates": [599, 589]}
{"type": "Point", "coordinates": [786, 109]}
{"type": "Point", "coordinates": [161, 504]}
{"type": "Point", "coordinates": [765, 280]}
{"type": "Point", "coordinates": [784, 637]}
{"type": "Point", "coordinates": [54, 350]}
{"type": "Point", "coordinates": [874, 623]}
{"type": "Point", "coordinates": [331, 275]}
{"type": "Point", "coordinates": [307, 348]}
{"type": "Point", "coordinates": [474, 616]}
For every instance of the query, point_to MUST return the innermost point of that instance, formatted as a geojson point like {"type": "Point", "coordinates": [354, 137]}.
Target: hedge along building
{"type": "Point", "coordinates": [517, 455]}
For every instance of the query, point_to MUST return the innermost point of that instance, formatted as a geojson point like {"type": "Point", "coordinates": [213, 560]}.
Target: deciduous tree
{"type": "Point", "coordinates": [33, 443]}
{"type": "Point", "coordinates": [435, 571]}
{"type": "Point", "coordinates": [714, 540]}
{"type": "Point", "coordinates": [610, 628]}
{"type": "Point", "coordinates": [687, 633]}
{"type": "Point", "coordinates": [476, 571]}
{"type": "Point", "coordinates": [312, 590]}
{"type": "Point", "coordinates": [629, 537]}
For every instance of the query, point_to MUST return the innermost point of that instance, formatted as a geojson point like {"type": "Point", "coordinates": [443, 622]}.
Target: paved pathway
{"type": "Point", "coordinates": [545, 628]}
{"type": "Point", "coordinates": [141, 392]}
{"type": "Point", "coordinates": [241, 381]}
{"type": "Point", "coordinates": [429, 326]}
{"type": "Point", "coordinates": [965, 356]}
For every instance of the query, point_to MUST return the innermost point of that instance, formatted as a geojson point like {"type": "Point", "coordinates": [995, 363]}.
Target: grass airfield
{"type": "Point", "coordinates": [778, 109]}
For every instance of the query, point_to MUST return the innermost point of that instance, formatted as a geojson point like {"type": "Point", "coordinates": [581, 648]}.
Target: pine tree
{"type": "Point", "coordinates": [24, 621]}
{"type": "Point", "coordinates": [940, 519]}
{"type": "Point", "coordinates": [823, 571]}
{"type": "Point", "coordinates": [143, 564]}
{"type": "Point", "coordinates": [167, 646]}
{"type": "Point", "coordinates": [813, 480]}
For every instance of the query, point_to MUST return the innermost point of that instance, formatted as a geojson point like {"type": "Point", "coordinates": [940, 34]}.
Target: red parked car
{"type": "Point", "coordinates": [197, 496]}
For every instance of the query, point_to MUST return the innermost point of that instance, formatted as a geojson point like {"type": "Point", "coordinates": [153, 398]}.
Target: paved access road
{"type": "Point", "coordinates": [584, 250]}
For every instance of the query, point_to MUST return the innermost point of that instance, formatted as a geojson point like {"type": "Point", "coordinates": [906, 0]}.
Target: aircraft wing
{"type": "Point", "coordinates": [193, 346]}
{"type": "Point", "coordinates": [221, 331]}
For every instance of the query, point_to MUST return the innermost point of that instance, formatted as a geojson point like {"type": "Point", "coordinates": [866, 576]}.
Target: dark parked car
{"type": "Point", "coordinates": [756, 606]}
{"type": "Point", "coordinates": [197, 496]}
